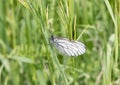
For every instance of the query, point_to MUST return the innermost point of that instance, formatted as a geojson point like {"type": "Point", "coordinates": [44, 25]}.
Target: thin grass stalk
{"type": "Point", "coordinates": [74, 28]}
{"type": "Point", "coordinates": [116, 30]}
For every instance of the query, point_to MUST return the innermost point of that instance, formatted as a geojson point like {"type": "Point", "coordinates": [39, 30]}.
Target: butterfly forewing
{"type": "Point", "coordinates": [67, 47]}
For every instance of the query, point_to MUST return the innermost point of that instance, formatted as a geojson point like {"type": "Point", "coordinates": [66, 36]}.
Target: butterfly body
{"type": "Point", "coordinates": [67, 47]}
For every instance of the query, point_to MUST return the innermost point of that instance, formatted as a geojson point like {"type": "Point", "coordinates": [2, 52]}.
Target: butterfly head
{"type": "Point", "coordinates": [51, 39]}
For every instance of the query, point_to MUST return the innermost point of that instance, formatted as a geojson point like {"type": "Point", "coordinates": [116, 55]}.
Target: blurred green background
{"type": "Point", "coordinates": [27, 58]}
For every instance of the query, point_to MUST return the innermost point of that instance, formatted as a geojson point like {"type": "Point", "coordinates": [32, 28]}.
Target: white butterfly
{"type": "Point", "coordinates": [67, 47]}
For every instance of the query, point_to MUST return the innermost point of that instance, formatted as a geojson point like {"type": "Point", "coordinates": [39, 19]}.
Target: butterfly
{"type": "Point", "coordinates": [68, 47]}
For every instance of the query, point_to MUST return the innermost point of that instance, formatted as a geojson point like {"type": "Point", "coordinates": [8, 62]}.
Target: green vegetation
{"type": "Point", "coordinates": [27, 58]}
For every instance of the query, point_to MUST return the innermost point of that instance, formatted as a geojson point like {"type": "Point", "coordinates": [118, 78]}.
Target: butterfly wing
{"type": "Point", "coordinates": [69, 48]}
